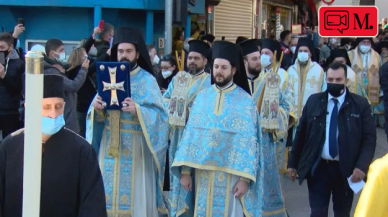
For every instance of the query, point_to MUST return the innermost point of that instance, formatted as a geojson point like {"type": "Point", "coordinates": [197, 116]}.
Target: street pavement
{"type": "Point", "coordinates": [296, 196]}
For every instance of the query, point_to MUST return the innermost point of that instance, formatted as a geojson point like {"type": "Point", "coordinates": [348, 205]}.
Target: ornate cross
{"type": "Point", "coordinates": [312, 81]}
{"type": "Point", "coordinates": [113, 87]}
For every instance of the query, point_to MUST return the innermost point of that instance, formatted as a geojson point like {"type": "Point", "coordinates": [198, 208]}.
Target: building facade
{"type": "Point", "coordinates": [73, 20]}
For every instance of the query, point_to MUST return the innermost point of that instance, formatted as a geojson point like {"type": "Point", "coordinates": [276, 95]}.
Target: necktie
{"type": "Point", "coordinates": [333, 143]}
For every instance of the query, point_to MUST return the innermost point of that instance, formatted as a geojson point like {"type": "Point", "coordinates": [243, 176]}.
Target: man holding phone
{"type": "Point", "coordinates": [11, 71]}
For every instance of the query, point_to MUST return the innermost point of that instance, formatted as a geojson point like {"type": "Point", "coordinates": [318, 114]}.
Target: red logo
{"type": "Point", "coordinates": [349, 21]}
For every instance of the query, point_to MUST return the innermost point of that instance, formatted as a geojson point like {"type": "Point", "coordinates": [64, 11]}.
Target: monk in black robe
{"type": "Point", "coordinates": [71, 184]}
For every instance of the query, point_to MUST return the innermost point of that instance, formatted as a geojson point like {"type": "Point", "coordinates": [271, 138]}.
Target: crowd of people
{"type": "Point", "coordinates": [207, 130]}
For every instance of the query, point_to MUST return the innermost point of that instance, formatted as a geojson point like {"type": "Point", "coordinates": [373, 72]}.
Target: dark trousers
{"type": "Point", "coordinates": [10, 124]}
{"type": "Point", "coordinates": [82, 123]}
{"type": "Point", "coordinates": [326, 181]}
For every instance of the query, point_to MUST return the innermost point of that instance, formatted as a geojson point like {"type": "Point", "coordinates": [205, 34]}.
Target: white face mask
{"type": "Point", "coordinates": [364, 48]}
{"type": "Point", "coordinates": [303, 56]}
{"type": "Point", "coordinates": [186, 46]}
{"type": "Point", "coordinates": [62, 56]}
{"type": "Point", "coordinates": [156, 59]}
{"type": "Point", "coordinates": [166, 74]}
{"type": "Point", "coordinates": [333, 41]}
{"type": "Point", "coordinates": [293, 49]}
{"type": "Point", "coordinates": [265, 60]}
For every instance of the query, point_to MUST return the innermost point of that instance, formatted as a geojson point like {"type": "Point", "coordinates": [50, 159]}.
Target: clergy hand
{"type": "Point", "coordinates": [98, 104]}
{"type": "Point", "coordinates": [129, 106]}
{"type": "Point", "coordinates": [291, 173]}
{"type": "Point", "coordinates": [186, 182]}
{"type": "Point", "coordinates": [240, 188]}
{"type": "Point", "coordinates": [2, 71]}
{"type": "Point", "coordinates": [358, 175]}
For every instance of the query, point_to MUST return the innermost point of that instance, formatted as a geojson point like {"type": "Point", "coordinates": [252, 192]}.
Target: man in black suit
{"type": "Point", "coordinates": [335, 139]}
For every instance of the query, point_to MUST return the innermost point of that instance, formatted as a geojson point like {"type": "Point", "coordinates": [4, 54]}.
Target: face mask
{"type": "Point", "coordinates": [335, 90]}
{"type": "Point", "coordinates": [333, 41]}
{"type": "Point", "coordinates": [62, 56]}
{"type": "Point", "coordinates": [265, 60]}
{"type": "Point", "coordinates": [51, 126]}
{"type": "Point", "coordinates": [303, 56]}
{"type": "Point", "coordinates": [186, 46]}
{"type": "Point", "coordinates": [93, 52]}
{"type": "Point", "coordinates": [364, 48]}
{"type": "Point", "coordinates": [166, 74]}
{"type": "Point", "coordinates": [293, 49]}
{"type": "Point", "coordinates": [156, 59]}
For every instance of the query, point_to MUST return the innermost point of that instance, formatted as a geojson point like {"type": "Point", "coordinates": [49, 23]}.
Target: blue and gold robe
{"type": "Point", "coordinates": [197, 84]}
{"type": "Point", "coordinates": [219, 147]}
{"type": "Point", "coordinates": [133, 181]}
{"type": "Point", "coordinates": [274, 150]}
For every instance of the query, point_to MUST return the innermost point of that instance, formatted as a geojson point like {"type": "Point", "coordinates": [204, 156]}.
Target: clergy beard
{"type": "Point", "coordinates": [223, 81]}
{"type": "Point", "coordinates": [303, 63]}
{"type": "Point", "coordinates": [133, 63]}
{"type": "Point", "coordinates": [254, 71]}
{"type": "Point", "coordinates": [193, 70]}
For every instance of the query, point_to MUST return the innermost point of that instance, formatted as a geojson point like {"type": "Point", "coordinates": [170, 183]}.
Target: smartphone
{"type": "Point", "coordinates": [101, 24]}
{"type": "Point", "coordinates": [111, 43]}
{"type": "Point", "coordinates": [2, 58]}
{"type": "Point", "coordinates": [21, 21]}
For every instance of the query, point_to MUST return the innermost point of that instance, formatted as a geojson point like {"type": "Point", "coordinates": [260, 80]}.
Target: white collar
{"type": "Point", "coordinates": [226, 87]}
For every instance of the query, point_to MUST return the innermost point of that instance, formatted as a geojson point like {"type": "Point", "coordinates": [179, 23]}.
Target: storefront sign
{"type": "Point", "coordinates": [296, 29]}
{"type": "Point", "coordinates": [201, 19]}
{"type": "Point", "coordinates": [161, 43]}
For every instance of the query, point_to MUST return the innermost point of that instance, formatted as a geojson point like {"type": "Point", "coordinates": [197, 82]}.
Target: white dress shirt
{"type": "Point", "coordinates": [330, 106]}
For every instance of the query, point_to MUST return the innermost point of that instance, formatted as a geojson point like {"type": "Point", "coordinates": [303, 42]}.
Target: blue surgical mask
{"type": "Point", "coordinates": [303, 56]}
{"type": "Point", "coordinates": [365, 48]}
{"type": "Point", "coordinates": [51, 126]}
{"type": "Point", "coordinates": [265, 60]}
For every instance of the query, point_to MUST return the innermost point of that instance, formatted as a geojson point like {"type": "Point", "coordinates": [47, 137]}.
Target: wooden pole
{"type": "Point", "coordinates": [33, 134]}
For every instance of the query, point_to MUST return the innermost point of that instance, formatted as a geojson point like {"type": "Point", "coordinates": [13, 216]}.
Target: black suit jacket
{"type": "Point", "coordinates": [356, 140]}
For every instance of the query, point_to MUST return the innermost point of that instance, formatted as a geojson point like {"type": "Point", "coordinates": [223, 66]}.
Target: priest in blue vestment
{"type": "Point", "coordinates": [217, 157]}
{"type": "Point", "coordinates": [272, 194]}
{"type": "Point", "coordinates": [132, 142]}
{"type": "Point", "coordinates": [179, 98]}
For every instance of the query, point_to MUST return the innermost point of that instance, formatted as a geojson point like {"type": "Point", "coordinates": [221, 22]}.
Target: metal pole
{"type": "Point", "coordinates": [33, 135]}
{"type": "Point", "coordinates": [168, 27]}
{"type": "Point", "coordinates": [150, 27]}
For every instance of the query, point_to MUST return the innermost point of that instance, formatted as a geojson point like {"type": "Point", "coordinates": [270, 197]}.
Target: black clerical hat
{"type": "Point", "coordinates": [381, 45]}
{"type": "Point", "coordinates": [53, 86]}
{"type": "Point", "coordinates": [334, 53]}
{"type": "Point", "coordinates": [240, 39]}
{"type": "Point", "coordinates": [133, 36]}
{"type": "Point", "coordinates": [307, 43]}
{"type": "Point", "coordinates": [232, 53]}
{"type": "Point", "coordinates": [273, 46]}
{"type": "Point", "coordinates": [248, 46]}
{"type": "Point", "coordinates": [360, 39]}
{"type": "Point", "coordinates": [208, 37]}
{"type": "Point", "coordinates": [199, 47]}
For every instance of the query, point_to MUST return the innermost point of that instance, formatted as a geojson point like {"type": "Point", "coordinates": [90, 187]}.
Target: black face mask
{"type": "Point", "coordinates": [335, 90]}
